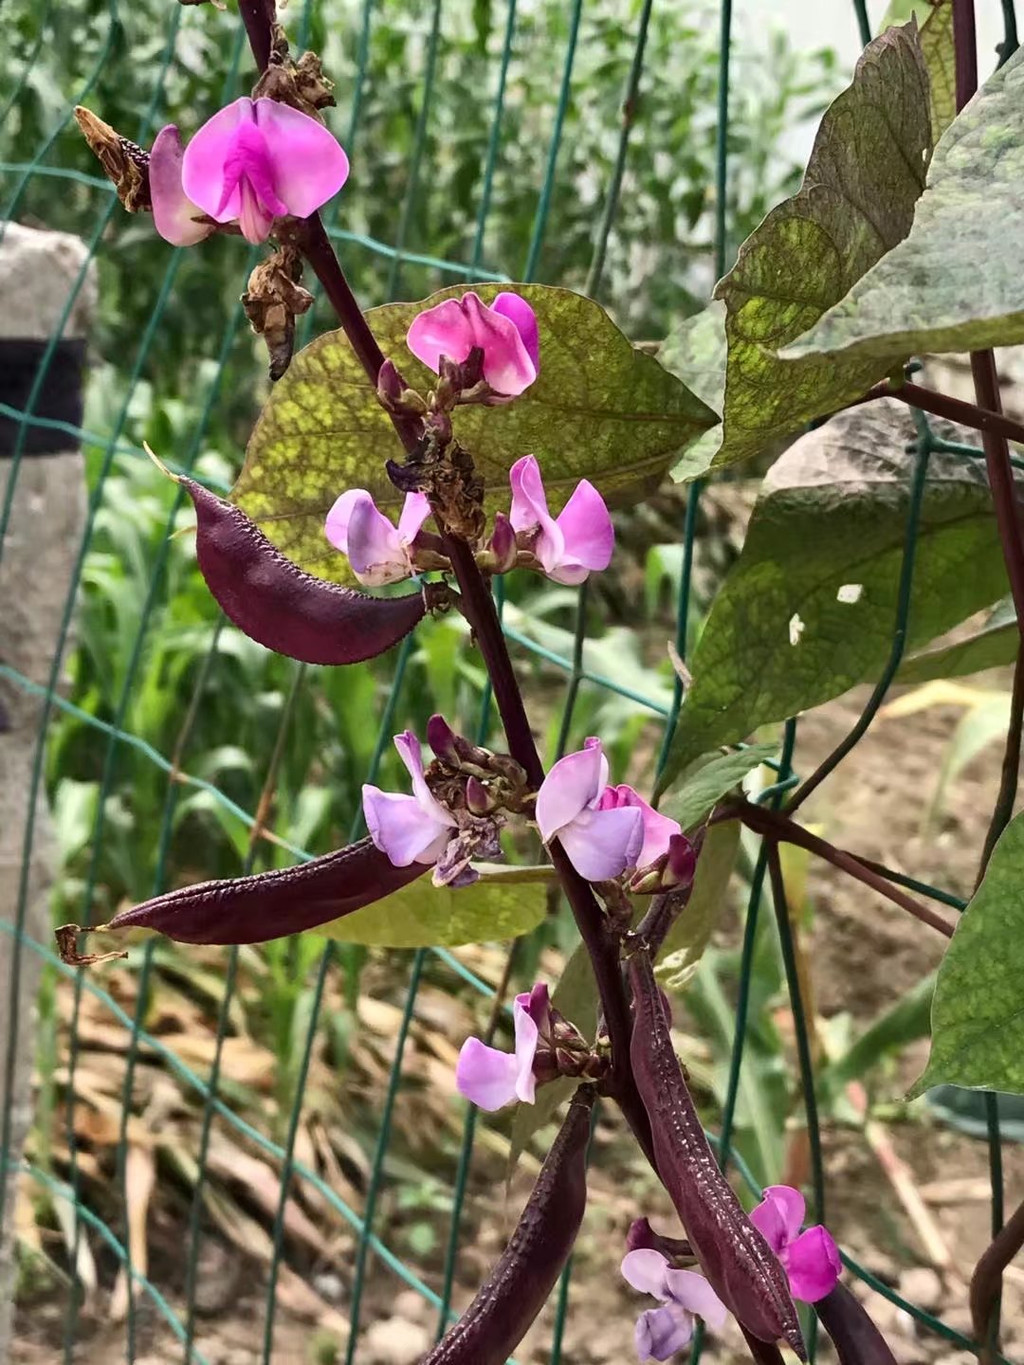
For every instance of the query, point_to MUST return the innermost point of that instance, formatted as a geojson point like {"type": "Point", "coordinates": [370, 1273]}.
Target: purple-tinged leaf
{"type": "Point", "coordinates": [272, 904]}
{"type": "Point", "coordinates": [517, 1288]}
{"type": "Point", "coordinates": [279, 605]}
{"type": "Point", "coordinates": [856, 1338]}
{"type": "Point", "coordinates": [740, 1265]}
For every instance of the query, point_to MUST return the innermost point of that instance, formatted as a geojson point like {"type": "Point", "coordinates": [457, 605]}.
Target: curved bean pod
{"type": "Point", "coordinates": [740, 1265]}
{"type": "Point", "coordinates": [517, 1288]}
{"type": "Point", "coordinates": [279, 605]}
{"type": "Point", "coordinates": [272, 904]}
{"type": "Point", "coordinates": [856, 1338]}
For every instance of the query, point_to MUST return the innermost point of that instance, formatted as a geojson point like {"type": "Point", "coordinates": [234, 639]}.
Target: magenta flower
{"type": "Point", "coordinates": [409, 829]}
{"type": "Point", "coordinates": [254, 161]}
{"type": "Point", "coordinates": [491, 1078]}
{"type": "Point", "coordinates": [811, 1258]}
{"type": "Point", "coordinates": [506, 332]}
{"type": "Point", "coordinates": [684, 1295]}
{"type": "Point", "coordinates": [570, 545]}
{"type": "Point", "coordinates": [377, 550]}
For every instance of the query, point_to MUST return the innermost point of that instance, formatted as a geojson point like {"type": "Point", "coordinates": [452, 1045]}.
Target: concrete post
{"type": "Point", "coordinates": [38, 272]}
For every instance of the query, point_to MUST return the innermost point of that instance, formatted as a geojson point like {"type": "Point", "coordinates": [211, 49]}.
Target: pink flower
{"type": "Point", "coordinates": [658, 829]}
{"type": "Point", "coordinates": [570, 545]}
{"type": "Point", "coordinates": [600, 842]}
{"type": "Point", "coordinates": [409, 829]}
{"type": "Point", "coordinates": [811, 1258]}
{"type": "Point", "coordinates": [684, 1295]}
{"type": "Point", "coordinates": [491, 1078]}
{"type": "Point", "coordinates": [377, 550]}
{"type": "Point", "coordinates": [254, 161]}
{"type": "Point", "coordinates": [506, 332]}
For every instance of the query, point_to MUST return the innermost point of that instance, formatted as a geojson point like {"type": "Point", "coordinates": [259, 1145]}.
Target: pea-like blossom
{"type": "Point", "coordinates": [810, 1258]}
{"type": "Point", "coordinates": [604, 830]}
{"type": "Point", "coordinates": [505, 331]}
{"type": "Point", "coordinates": [409, 829]}
{"type": "Point", "coordinates": [378, 551]}
{"type": "Point", "coordinates": [580, 539]}
{"type": "Point", "coordinates": [252, 162]}
{"type": "Point", "coordinates": [684, 1295]}
{"type": "Point", "coordinates": [491, 1078]}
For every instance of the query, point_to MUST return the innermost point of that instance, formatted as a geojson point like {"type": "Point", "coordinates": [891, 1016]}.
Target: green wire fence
{"type": "Point", "coordinates": [22, 175]}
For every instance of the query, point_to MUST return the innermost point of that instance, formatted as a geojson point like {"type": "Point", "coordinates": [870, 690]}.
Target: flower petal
{"type": "Point", "coordinates": [508, 367]}
{"type": "Point", "coordinates": [791, 1206]}
{"type": "Point", "coordinates": [307, 162]}
{"type": "Point", "coordinates": [768, 1218]}
{"type": "Point", "coordinates": [444, 330]}
{"type": "Point", "coordinates": [411, 754]}
{"type": "Point", "coordinates": [646, 1270]}
{"type": "Point", "coordinates": [527, 1036]}
{"type": "Point", "coordinates": [603, 843]}
{"type": "Point", "coordinates": [372, 544]}
{"type": "Point", "coordinates": [415, 511]}
{"type": "Point", "coordinates": [208, 173]}
{"type": "Point", "coordinates": [515, 307]}
{"type": "Point", "coordinates": [813, 1264]}
{"type": "Point", "coordinates": [658, 829]}
{"type": "Point", "coordinates": [530, 509]}
{"type": "Point", "coordinates": [401, 828]}
{"type": "Point", "coordinates": [693, 1292]}
{"type": "Point", "coordinates": [587, 528]}
{"type": "Point", "coordinates": [661, 1332]}
{"type": "Point", "coordinates": [574, 782]}
{"type": "Point", "coordinates": [174, 214]}
{"type": "Point", "coordinates": [485, 1075]}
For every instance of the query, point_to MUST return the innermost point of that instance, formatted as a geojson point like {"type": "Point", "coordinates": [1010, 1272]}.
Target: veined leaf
{"type": "Point", "coordinates": [864, 177]}
{"type": "Point", "coordinates": [697, 348]}
{"type": "Point", "coordinates": [977, 1021]}
{"type": "Point", "coordinates": [931, 293]}
{"type": "Point", "coordinates": [702, 786]}
{"type": "Point", "coordinates": [687, 939]}
{"type": "Point", "coordinates": [993, 644]}
{"type": "Point", "coordinates": [808, 609]}
{"type": "Point", "coordinates": [935, 25]}
{"type": "Point", "coordinates": [504, 903]}
{"type": "Point", "coordinates": [600, 410]}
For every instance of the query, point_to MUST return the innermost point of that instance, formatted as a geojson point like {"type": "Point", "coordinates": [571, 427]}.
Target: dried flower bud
{"type": "Point", "coordinates": [272, 301]}
{"type": "Point", "coordinates": [124, 163]}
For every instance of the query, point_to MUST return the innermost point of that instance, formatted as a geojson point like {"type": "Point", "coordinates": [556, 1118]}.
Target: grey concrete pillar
{"type": "Point", "coordinates": [38, 275]}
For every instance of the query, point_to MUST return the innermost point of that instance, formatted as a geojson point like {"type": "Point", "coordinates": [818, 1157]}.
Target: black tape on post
{"type": "Point", "coordinates": [59, 399]}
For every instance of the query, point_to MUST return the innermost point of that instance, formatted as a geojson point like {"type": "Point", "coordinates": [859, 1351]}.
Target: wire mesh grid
{"type": "Point", "coordinates": [40, 162]}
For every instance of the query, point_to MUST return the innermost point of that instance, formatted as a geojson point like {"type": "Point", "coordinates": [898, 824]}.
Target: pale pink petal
{"type": "Point", "coordinates": [411, 754]}
{"type": "Point", "coordinates": [527, 1036]}
{"type": "Point", "coordinates": [661, 1332]}
{"type": "Point", "coordinates": [790, 1204]}
{"type": "Point", "coordinates": [587, 528]}
{"type": "Point", "coordinates": [692, 1292]}
{"type": "Point", "coordinates": [515, 307]}
{"type": "Point", "coordinates": [336, 525]}
{"type": "Point", "coordinates": [658, 829]}
{"type": "Point", "coordinates": [486, 1076]}
{"type": "Point", "coordinates": [602, 843]}
{"type": "Point", "coordinates": [307, 163]}
{"type": "Point", "coordinates": [592, 742]}
{"type": "Point", "coordinates": [646, 1269]}
{"type": "Point", "coordinates": [208, 172]}
{"type": "Point", "coordinates": [174, 214]}
{"type": "Point", "coordinates": [442, 330]}
{"type": "Point", "coordinates": [813, 1264]}
{"type": "Point", "coordinates": [401, 828]}
{"type": "Point", "coordinates": [572, 784]}
{"type": "Point", "coordinates": [374, 549]}
{"type": "Point", "coordinates": [415, 511]}
{"type": "Point", "coordinates": [529, 501]}
{"type": "Point", "coordinates": [508, 367]}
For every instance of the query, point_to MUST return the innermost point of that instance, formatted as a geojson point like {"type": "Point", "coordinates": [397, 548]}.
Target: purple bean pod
{"type": "Point", "coordinates": [856, 1338]}
{"type": "Point", "coordinates": [738, 1262]}
{"type": "Point", "coordinates": [518, 1287]}
{"type": "Point", "coordinates": [274, 904]}
{"type": "Point", "coordinates": [279, 605]}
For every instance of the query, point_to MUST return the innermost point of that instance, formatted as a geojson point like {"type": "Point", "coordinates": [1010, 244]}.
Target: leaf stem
{"type": "Point", "coordinates": [987, 1280]}
{"type": "Point", "coordinates": [778, 826]}
{"type": "Point", "coordinates": [259, 17]}
{"type": "Point", "coordinates": [981, 416]}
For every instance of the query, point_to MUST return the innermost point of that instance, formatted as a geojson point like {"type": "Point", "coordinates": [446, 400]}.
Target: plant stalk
{"type": "Point", "coordinates": [980, 416]}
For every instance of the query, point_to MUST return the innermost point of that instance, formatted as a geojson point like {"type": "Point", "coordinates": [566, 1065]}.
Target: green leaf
{"type": "Point", "coordinates": [504, 903]}
{"type": "Point", "coordinates": [935, 24]}
{"type": "Point", "coordinates": [695, 350]}
{"type": "Point", "coordinates": [600, 410]}
{"type": "Point", "coordinates": [856, 202]}
{"type": "Point", "coordinates": [977, 1021]}
{"type": "Point", "coordinates": [980, 726]}
{"type": "Point", "coordinates": [956, 283]}
{"type": "Point", "coordinates": [703, 786]}
{"type": "Point", "coordinates": [831, 515]}
{"type": "Point", "coordinates": [994, 644]}
{"type": "Point", "coordinates": [690, 935]}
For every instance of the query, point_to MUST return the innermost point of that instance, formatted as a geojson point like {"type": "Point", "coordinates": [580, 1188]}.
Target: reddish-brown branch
{"type": "Point", "coordinates": [985, 418]}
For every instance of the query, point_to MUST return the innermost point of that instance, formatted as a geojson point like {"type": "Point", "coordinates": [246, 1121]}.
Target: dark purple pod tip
{"type": "Point", "coordinates": [856, 1338]}
{"type": "Point", "coordinates": [279, 605]}
{"type": "Point", "coordinates": [272, 904]}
